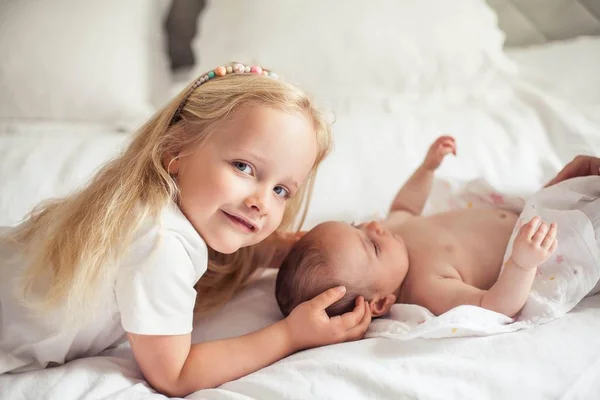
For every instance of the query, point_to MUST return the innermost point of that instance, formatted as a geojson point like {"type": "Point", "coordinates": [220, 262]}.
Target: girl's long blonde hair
{"type": "Point", "coordinates": [78, 240]}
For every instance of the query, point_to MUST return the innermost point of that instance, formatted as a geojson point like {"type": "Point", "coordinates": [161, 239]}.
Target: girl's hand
{"type": "Point", "coordinates": [442, 146]}
{"type": "Point", "coordinates": [310, 326]}
{"type": "Point", "coordinates": [534, 243]}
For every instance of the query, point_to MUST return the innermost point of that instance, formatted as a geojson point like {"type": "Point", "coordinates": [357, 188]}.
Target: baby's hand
{"type": "Point", "coordinates": [310, 326]}
{"type": "Point", "coordinates": [442, 146]}
{"type": "Point", "coordinates": [534, 243]}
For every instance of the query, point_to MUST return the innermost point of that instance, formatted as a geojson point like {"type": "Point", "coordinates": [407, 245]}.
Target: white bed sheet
{"type": "Point", "coordinates": [516, 144]}
{"type": "Point", "coordinates": [544, 363]}
{"type": "Point", "coordinates": [558, 360]}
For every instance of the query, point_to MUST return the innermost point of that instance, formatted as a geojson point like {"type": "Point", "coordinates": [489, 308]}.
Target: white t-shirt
{"type": "Point", "coordinates": [153, 295]}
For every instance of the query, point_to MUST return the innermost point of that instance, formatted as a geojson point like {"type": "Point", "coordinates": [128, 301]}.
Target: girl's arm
{"type": "Point", "coordinates": [412, 196]}
{"type": "Point", "coordinates": [175, 367]}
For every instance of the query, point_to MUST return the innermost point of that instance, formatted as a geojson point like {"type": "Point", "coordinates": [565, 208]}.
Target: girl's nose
{"type": "Point", "coordinates": [257, 203]}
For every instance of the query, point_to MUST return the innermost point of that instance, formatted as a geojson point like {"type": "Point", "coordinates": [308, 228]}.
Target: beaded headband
{"type": "Point", "coordinates": [236, 68]}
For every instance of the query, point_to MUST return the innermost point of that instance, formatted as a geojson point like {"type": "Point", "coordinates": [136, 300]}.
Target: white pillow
{"type": "Point", "coordinates": [348, 48]}
{"type": "Point", "coordinates": [82, 60]}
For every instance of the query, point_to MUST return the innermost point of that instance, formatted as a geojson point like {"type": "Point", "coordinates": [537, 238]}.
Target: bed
{"type": "Point", "coordinates": [518, 115]}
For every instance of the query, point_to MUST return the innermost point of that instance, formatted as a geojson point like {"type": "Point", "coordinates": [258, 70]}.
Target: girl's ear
{"type": "Point", "coordinates": [171, 163]}
{"type": "Point", "coordinates": [381, 305]}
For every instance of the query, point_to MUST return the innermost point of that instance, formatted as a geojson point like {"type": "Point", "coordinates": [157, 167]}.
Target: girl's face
{"type": "Point", "coordinates": [234, 188]}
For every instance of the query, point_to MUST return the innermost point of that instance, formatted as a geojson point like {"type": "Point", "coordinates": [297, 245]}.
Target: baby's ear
{"type": "Point", "coordinates": [381, 305]}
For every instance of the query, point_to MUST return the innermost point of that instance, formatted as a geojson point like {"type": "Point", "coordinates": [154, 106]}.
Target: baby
{"type": "Point", "coordinates": [439, 262]}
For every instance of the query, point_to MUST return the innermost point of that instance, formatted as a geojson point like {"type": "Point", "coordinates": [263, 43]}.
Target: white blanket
{"type": "Point", "coordinates": [569, 275]}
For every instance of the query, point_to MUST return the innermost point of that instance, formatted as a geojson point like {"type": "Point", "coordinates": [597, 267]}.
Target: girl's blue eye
{"type": "Point", "coordinates": [281, 192]}
{"type": "Point", "coordinates": [243, 167]}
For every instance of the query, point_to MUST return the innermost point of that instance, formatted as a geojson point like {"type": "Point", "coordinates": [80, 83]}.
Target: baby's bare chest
{"type": "Point", "coordinates": [469, 243]}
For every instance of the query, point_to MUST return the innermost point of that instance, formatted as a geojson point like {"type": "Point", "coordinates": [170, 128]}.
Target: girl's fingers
{"type": "Point", "coordinates": [327, 298]}
{"type": "Point", "coordinates": [358, 331]}
{"type": "Point", "coordinates": [351, 319]}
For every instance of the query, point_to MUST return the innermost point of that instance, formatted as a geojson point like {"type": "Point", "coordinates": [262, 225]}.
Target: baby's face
{"type": "Point", "coordinates": [366, 253]}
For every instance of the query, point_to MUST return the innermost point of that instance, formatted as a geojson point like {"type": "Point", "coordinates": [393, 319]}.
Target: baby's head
{"type": "Point", "coordinates": [367, 259]}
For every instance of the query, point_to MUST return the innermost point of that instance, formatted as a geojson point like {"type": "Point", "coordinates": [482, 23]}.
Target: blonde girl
{"type": "Point", "coordinates": [169, 226]}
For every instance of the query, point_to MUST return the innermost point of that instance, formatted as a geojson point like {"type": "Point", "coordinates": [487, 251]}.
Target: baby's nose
{"type": "Point", "coordinates": [375, 227]}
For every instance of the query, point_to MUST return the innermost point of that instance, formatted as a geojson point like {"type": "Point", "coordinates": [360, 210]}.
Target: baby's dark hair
{"type": "Point", "coordinates": [306, 272]}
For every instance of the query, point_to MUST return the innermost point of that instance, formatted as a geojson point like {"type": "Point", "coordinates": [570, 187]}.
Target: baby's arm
{"type": "Point", "coordinates": [533, 245]}
{"type": "Point", "coordinates": [412, 196]}
{"type": "Point", "coordinates": [507, 296]}
{"type": "Point", "coordinates": [176, 367]}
